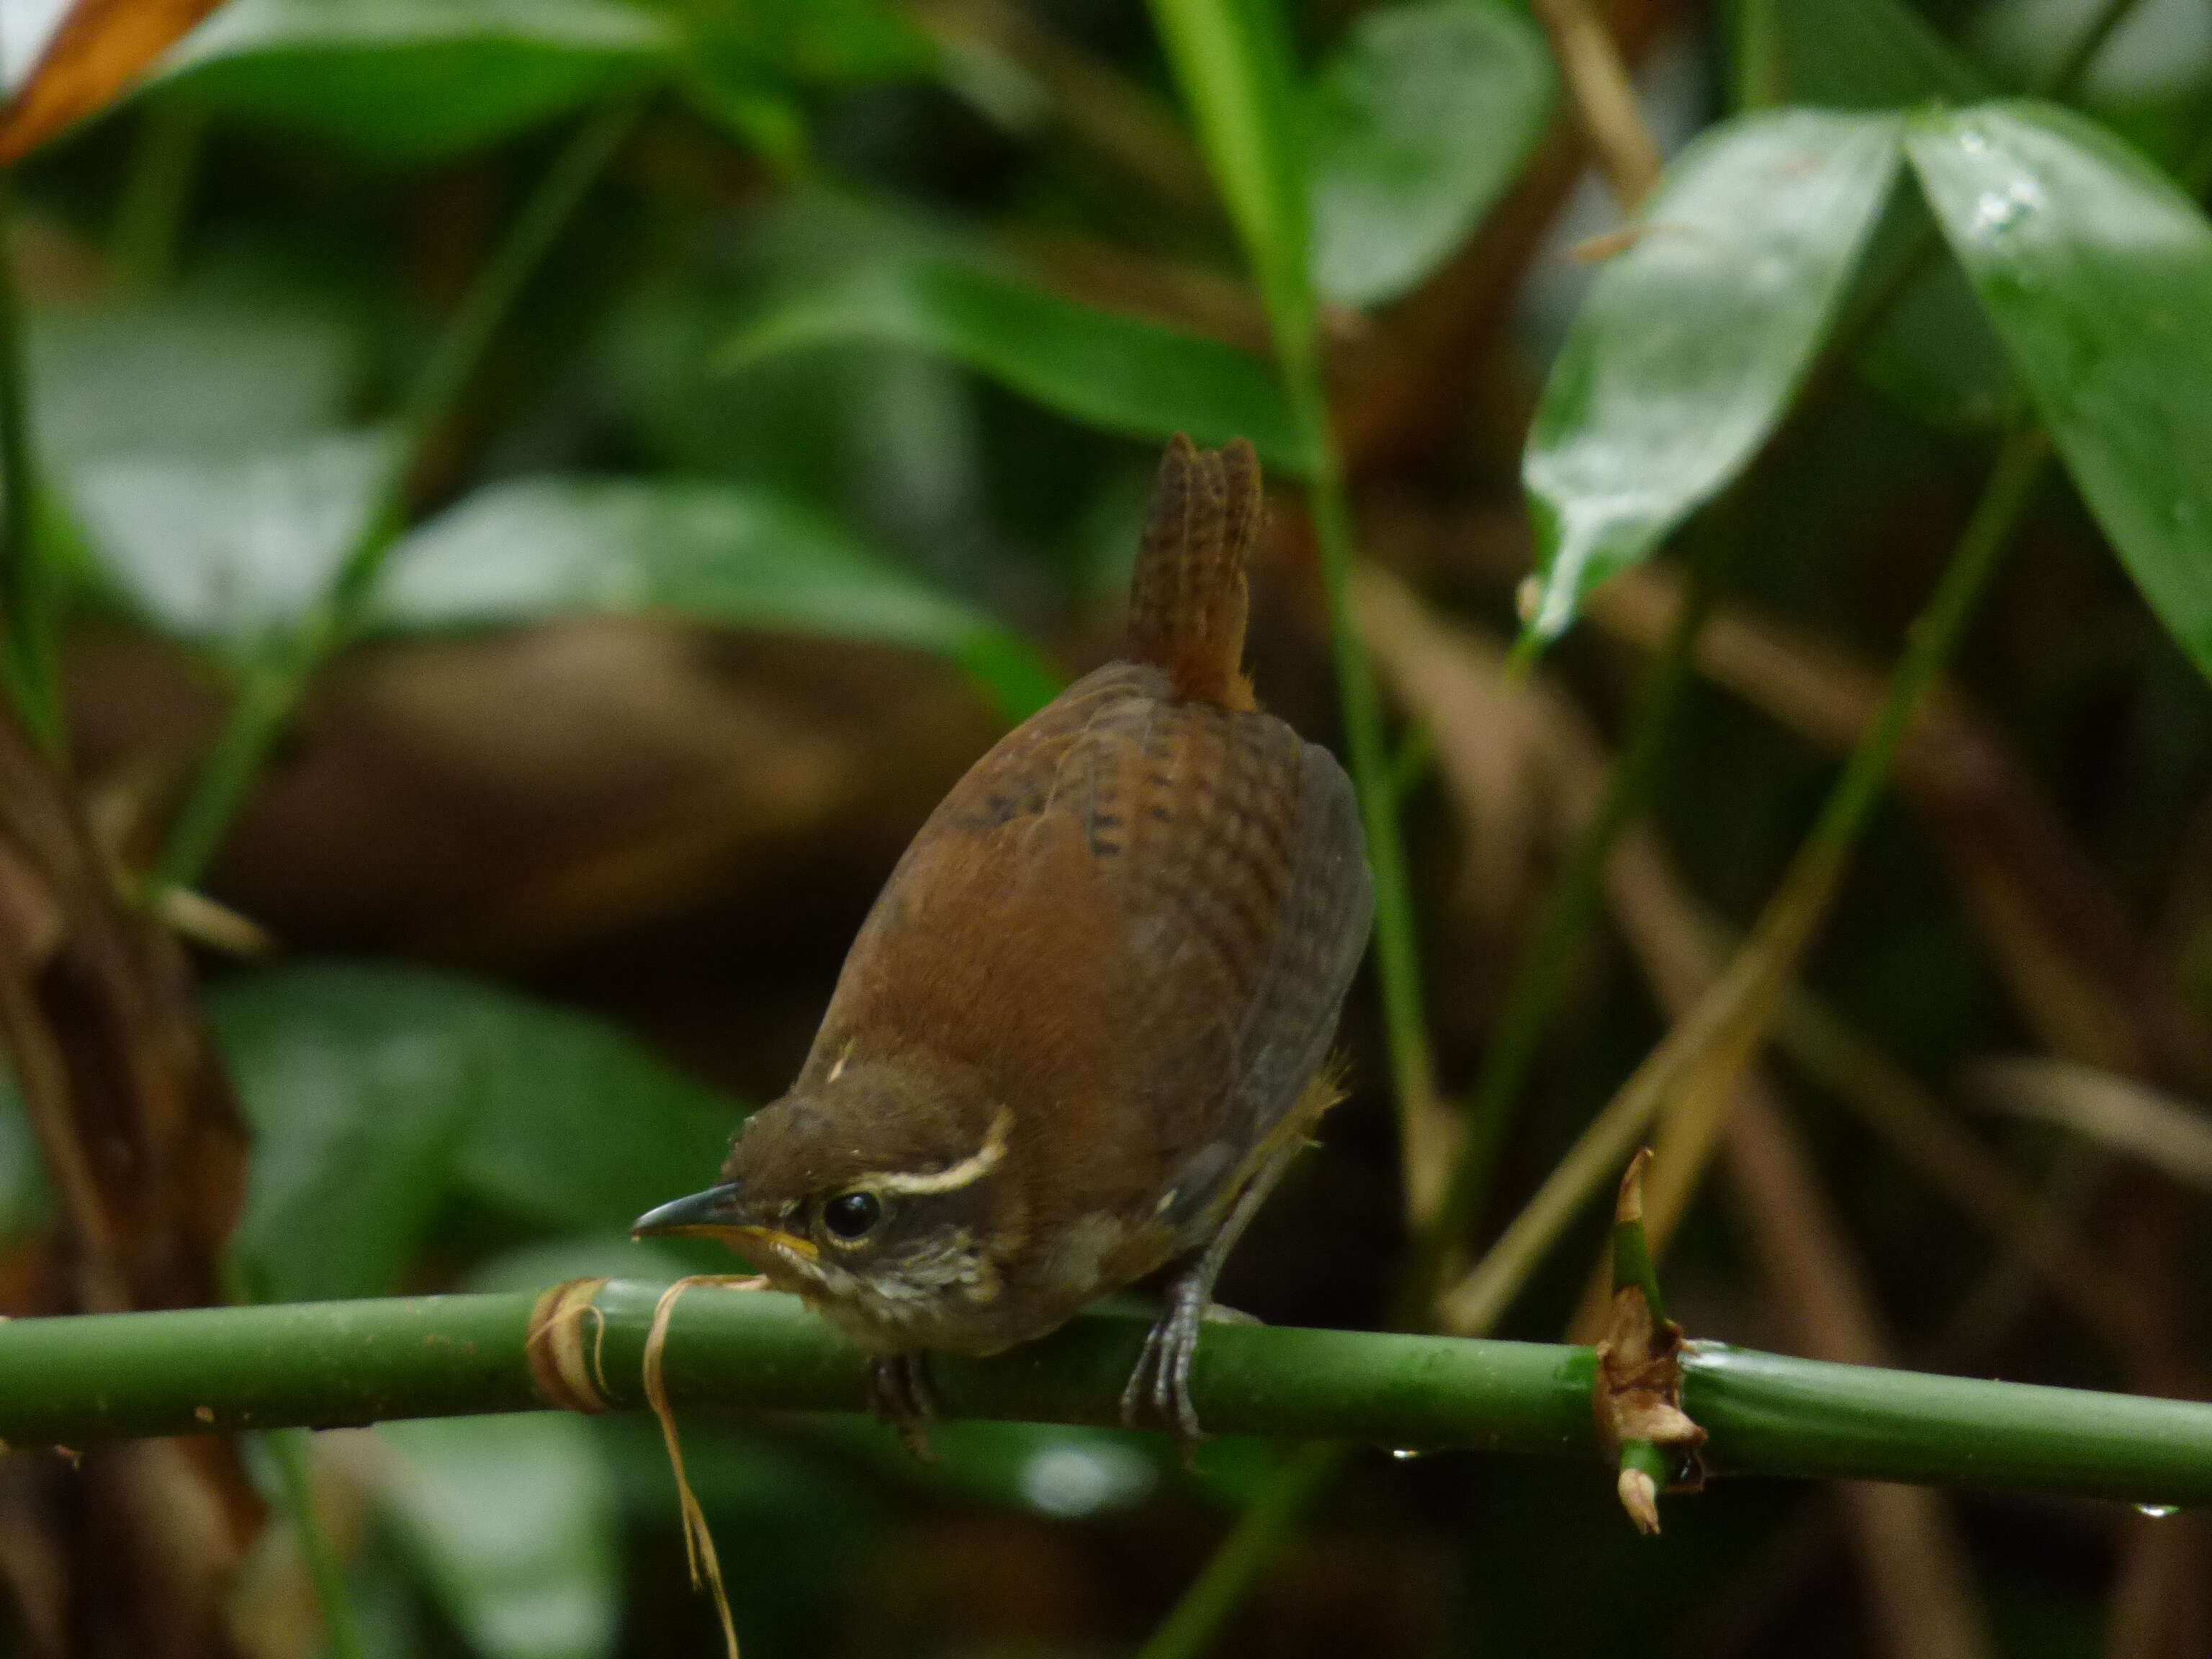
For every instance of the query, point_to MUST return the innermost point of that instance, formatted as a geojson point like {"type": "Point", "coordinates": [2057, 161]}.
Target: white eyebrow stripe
{"type": "Point", "coordinates": [966, 1172]}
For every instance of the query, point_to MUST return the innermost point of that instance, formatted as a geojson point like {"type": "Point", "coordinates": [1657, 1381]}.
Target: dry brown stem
{"type": "Point", "coordinates": [2080, 969]}
{"type": "Point", "coordinates": [1596, 77]}
{"type": "Point", "coordinates": [146, 1154]}
{"type": "Point", "coordinates": [1915, 1570]}
{"type": "Point", "coordinates": [1403, 391]}
{"type": "Point", "coordinates": [1106, 110]}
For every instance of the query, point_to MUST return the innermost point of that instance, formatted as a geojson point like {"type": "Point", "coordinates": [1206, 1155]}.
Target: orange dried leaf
{"type": "Point", "coordinates": [97, 54]}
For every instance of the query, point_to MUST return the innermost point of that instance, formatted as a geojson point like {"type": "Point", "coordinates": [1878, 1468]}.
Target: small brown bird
{"type": "Point", "coordinates": [1079, 1035]}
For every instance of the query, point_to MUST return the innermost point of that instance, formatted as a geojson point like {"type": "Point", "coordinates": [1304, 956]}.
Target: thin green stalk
{"type": "Point", "coordinates": [291, 1449]}
{"type": "Point", "coordinates": [291, 1452]}
{"type": "Point", "coordinates": [274, 687]}
{"type": "Point", "coordinates": [1268, 1523]}
{"type": "Point", "coordinates": [83, 1379]}
{"type": "Point", "coordinates": [157, 191]}
{"type": "Point", "coordinates": [2063, 78]}
{"type": "Point", "coordinates": [1759, 81]}
{"type": "Point", "coordinates": [2197, 171]}
{"type": "Point", "coordinates": [1546, 964]}
{"type": "Point", "coordinates": [1703, 1051]}
{"type": "Point", "coordinates": [1397, 941]}
{"type": "Point", "coordinates": [29, 652]}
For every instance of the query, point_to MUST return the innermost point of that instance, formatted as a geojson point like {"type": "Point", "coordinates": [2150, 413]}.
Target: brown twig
{"type": "Point", "coordinates": [2081, 972]}
{"type": "Point", "coordinates": [1402, 391]}
{"type": "Point", "coordinates": [1916, 1570]}
{"type": "Point", "coordinates": [1596, 77]}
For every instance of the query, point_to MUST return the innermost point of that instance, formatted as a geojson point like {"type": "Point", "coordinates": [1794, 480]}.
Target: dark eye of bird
{"type": "Point", "coordinates": [849, 1215]}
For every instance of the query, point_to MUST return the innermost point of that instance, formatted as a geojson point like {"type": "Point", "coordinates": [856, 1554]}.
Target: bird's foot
{"type": "Point", "coordinates": [1161, 1380]}
{"type": "Point", "coordinates": [899, 1393]}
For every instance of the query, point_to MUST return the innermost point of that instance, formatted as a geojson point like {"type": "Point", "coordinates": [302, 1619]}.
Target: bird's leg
{"type": "Point", "coordinates": [899, 1393]}
{"type": "Point", "coordinates": [1162, 1377]}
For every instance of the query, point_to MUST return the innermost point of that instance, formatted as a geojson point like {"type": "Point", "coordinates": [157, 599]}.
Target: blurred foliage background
{"type": "Point", "coordinates": [812, 453]}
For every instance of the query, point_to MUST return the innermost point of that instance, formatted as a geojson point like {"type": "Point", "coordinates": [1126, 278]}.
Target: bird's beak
{"type": "Point", "coordinates": [717, 1209]}
{"type": "Point", "coordinates": [717, 1213]}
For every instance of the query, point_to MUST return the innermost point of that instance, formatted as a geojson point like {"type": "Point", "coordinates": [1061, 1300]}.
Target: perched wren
{"type": "Point", "coordinates": [1077, 1037]}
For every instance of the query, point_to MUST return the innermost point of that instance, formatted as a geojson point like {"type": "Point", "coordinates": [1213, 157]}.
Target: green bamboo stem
{"type": "Point", "coordinates": [77, 1381]}
{"type": "Point", "coordinates": [274, 686]}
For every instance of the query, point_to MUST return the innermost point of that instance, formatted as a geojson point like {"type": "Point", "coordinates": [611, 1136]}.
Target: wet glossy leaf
{"type": "Point", "coordinates": [1092, 365]}
{"type": "Point", "coordinates": [1692, 341]}
{"type": "Point", "coordinates": [543, 548]}
{"type": "Point", "coordinates": [1232, 59]}
{"type": "Point", "coordinates": [375, 1091]}
{"type": "Point", "coordinates": [228, 551]}
{"type": "Point", "coordinates": [512, 1521]}
{"type": "Point", "coordinates": [1419, 122]}
{"type": "Point", "coordinates": [100, 48]}
{"type": "Point", "coordinates": [2097, 272]}
{"type": "Point", "coordinates": [411, 81]}
{"type": "Point", "coordinates": [1869, 54]}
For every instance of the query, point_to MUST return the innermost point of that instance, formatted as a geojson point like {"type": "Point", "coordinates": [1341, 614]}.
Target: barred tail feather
{"type": "Point", "coordinates": [1187, 603]}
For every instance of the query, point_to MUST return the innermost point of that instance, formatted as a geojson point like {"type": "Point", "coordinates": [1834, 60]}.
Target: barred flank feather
{"type": "Point", "coordinates": [1187, 603]}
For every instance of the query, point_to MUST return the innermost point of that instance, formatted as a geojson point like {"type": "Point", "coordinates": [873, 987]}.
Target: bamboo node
{"type": "Point", "coordinates": [1638, 1396]}
{"type": "Point", "coordinates": [564, 1370]}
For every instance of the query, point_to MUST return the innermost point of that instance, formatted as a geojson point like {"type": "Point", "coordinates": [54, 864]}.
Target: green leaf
{"type": "Point", "coordinates": [1419, 122]}
{"type": "Point", "coordinates": [1233, 62]}
{"type": "Point", "coordinates": [402, 83]}
{"type": "Point", "coordinates": [354, 1129]}
{"type": "Point", "coordinates": [1869, 54]}
{"type": "Point", "coordinates": [1692, 341]}
{"type": "Point", "coordinates": [819, 41]}
{"type": "Point", "coordinates": [206, 371]}
{"type": "Point", "coordinates": [512, 1521]}
{"type": "Point", "coordinates": [537, 549]}
{"type": "Point", "coordinates": [227, 551]}
{"type": "Point", "coordinates": [2097, 272]}
{"type": "Point", "coordinates": [1095, 367]}
{"type": "Point", "coordinates": [374, 1091]}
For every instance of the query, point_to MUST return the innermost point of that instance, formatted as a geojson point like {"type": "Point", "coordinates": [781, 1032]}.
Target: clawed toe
{"type": "Point", "coordinates": [899, 1393]}
{"type": "Point", "coordinates": [1159, 1386]}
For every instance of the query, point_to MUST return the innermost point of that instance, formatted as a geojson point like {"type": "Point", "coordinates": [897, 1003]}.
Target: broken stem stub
{"type": "Point", "coordinates": [1638, 1396]}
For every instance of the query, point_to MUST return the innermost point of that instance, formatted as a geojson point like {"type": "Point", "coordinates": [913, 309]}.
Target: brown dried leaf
{"type": "Point", "coordinates": [1639, 1384]}
{"type": "Point", "coordinates": [100, 49]}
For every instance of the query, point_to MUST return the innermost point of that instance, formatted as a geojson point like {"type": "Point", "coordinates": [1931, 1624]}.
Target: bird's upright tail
{"type": "Point", "coordinates": [1186, 601]}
